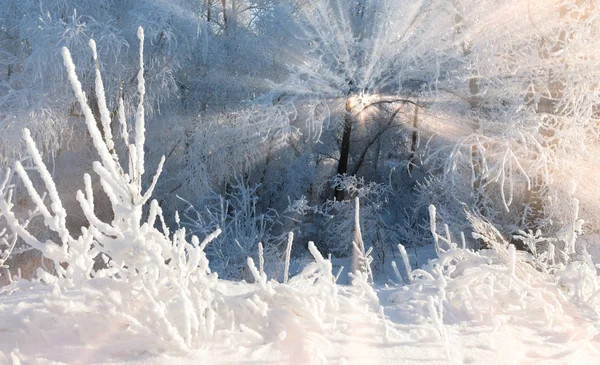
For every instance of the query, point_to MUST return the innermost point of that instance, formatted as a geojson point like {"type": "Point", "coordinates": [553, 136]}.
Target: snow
{"type": "Point", "coordinates": [464, 307]}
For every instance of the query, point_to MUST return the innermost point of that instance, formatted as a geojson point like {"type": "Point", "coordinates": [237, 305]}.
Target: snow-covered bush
{"type": "Point", "coordinates": [296, 317]}
{"type": "Point", "coordinates": [336, 219]}
{"type": "Point", "coordinates": [8, 240]}
{"type": "Point", "coordinates": [499, 285]}
{"type": "Point", "coordinates": [156, 279]}
{"type": "Point", "coordinates": [242, 227]}
{"type": "Point", "coordinates": [17, 258]}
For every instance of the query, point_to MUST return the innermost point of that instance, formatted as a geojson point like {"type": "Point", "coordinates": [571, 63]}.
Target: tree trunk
{"type": "Point", "coordinates": [345, 147]}
{"type": "Point", "coordinates": [414, 140]}
{"type": "Point", "coordinates": [474, 101]}
{"type": "Point", "coordinates": [208, 9]}
{"type": "Point", "coordinates": [224, 3]}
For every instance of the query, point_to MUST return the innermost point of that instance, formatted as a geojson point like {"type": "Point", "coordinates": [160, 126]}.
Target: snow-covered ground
{"type": "Point", "coordinates": [487, 307]}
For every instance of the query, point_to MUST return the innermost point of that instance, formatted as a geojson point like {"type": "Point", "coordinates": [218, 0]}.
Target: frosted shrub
{"type": "Point", "coordinates": [9, 239]}
{"type": "Point", "coordinates": [157, 280]}
{"type": "Point", "coordinates": [499, 282]}
{"type": "Point", "coordinates": [298, 316]}
{"type": "Point", "coordinates": [242, 227]}
{"type": "Point", "coordinates": [340, 221]}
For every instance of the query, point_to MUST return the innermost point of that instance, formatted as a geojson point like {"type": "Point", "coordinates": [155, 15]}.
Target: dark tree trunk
{"type": "Point", "coordinates": [345, 147]}
{"type": "Point", "coordinates": [224, 2]}
{"type": "Point", "coordinates": [208, 9]}
{"type": "Point", "coordinates": [414, 139]}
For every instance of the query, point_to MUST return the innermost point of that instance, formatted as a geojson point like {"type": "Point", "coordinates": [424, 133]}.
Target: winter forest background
{"type": "Point", "coordinates": [457, 138]}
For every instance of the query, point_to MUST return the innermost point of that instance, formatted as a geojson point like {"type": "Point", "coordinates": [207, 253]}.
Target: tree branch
{"type": "Point", "coordinates": [379, 102]}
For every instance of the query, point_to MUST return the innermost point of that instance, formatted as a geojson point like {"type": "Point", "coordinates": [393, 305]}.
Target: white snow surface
{"type": "Point", "coordinates": [464, 307]}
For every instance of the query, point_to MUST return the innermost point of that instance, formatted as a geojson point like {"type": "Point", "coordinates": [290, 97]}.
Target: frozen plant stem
{"type": "Point", "coordinates": [261, 259]}
{"type": "Point", "coordinates": [432, 227]}
{"type": "Point", "coordinates": [406, 262]}
{"type": "Point", "coordinates": [140, 127]}
{"type": "Point", "coordinates": [439, 324]}
{"type": "Point", "coordinates": [288, 254]}
{"type": "Point", "coordinates": [395, 268]}
{"type": "Point", "coordinates": [361, 261]}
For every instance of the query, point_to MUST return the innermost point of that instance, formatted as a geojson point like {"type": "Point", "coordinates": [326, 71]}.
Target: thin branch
{"type": "Point", "coordinates": [379, 102]}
